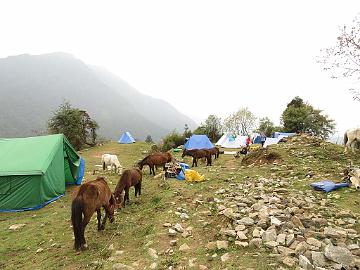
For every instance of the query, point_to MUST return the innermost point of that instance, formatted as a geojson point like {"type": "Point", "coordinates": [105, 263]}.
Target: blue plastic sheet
{"type": "Point", "coordinates": [328, 186]}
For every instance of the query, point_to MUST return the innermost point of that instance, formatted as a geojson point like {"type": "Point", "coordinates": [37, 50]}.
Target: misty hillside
{"type": "Point", "coordinates": [33, 86]}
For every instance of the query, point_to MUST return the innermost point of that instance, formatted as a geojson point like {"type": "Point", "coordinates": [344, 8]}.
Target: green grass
{"type": "Point", "coordinates": [140, 224]}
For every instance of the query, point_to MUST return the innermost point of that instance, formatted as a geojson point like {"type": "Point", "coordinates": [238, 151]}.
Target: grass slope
{"type": "Point", "coordinates": [140, 225]}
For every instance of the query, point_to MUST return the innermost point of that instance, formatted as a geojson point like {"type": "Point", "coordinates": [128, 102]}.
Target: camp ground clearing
{"type": "Point", "coordinates": [140, 239]}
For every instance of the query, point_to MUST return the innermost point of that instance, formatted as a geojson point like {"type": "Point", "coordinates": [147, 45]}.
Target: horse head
{"type": "Point", "coordinates": [184, 153]}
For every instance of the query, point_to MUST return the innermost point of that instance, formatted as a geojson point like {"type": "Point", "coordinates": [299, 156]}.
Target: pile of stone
{"type": "Point", "coordinates": [298, 228]}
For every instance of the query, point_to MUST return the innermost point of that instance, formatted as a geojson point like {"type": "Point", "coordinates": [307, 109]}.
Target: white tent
{"type": "Point", "coordinates": [223, 138]}
{"type": "Point", "coordinates": [270, 141]}
{"type": "Point", "coordinates": [239, 142]}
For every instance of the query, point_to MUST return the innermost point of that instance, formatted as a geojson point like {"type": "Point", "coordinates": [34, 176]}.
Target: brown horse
{"type": "Point", "coordinates": [196, 154]}
{"type": "Point", "coordinates": [157, 159]}
{"type": "Point", "coordinates": [215, 151]}
{"type": "Point", "coordinates": [89, 198]}
{"type": "Point", "coordinates": [129, 178]}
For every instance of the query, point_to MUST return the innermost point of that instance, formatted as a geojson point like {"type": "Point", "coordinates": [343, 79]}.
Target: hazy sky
{"type": "Point", "coordinates": [204, 57]}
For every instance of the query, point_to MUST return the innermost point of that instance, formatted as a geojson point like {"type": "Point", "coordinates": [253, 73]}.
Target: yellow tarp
{"type": "Point", "coordinates": [193, 176]}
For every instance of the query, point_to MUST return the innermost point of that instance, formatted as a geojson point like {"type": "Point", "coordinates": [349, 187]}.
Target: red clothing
{"type": "Point", "coordinates": [247, 141]}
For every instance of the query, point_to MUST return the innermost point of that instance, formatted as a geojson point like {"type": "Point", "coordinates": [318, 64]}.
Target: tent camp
{"type": "Point", "coordinates": [126, 138]}
{"type": "Point", "coordinates": [35, 170]}
{"type": "Point", "coordinates": [198, 142]}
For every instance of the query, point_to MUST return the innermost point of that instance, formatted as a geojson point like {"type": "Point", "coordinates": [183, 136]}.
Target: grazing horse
{"type": "Point", "coordinates": [196, 154]}
{"type": "Point", "coordinates": [89, 198]}
{"type": "Point", "coordinates": [215, 151]}
{"type": "Point", "coordinates": [351, 136]}
{"type": "Point", "coordinates": [129, 178]}
{"type": "Point", "coordinates": [157, 159]}
{"type": "Point", "coordinates": [112, 160]}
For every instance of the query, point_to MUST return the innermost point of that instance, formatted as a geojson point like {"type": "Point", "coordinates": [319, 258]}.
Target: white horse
{"type": "Point", "coordinates": [351, 136]}
{"type": "Point", "coordinates": [111, 160]}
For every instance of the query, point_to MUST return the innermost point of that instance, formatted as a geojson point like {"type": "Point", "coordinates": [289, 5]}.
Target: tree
{"type": "Point", "coordinates": [211, 128]}
{"type": "Point", "coordinates": [301, 117]}
{"type": "Point", "coordinates": [149, 139]}
{"type": "Point", "coordinates": [187, 131]}
{"type": "Point", "coordinates": [343, 59]}
{"type": "Point", "coordinates": [75, 124]}
{"type": "Point", "coordinates": [266, 126]}
{"type": "Point", "coordinates": [240, 122]}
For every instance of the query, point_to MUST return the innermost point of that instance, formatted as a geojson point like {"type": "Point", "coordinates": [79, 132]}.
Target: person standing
{"type": "Point", "coordinates": [263, 139]}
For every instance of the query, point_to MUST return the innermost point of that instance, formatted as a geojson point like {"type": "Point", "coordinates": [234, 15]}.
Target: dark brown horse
{"type": "Point", "coordinates": [215, 151]}
{"type": "Point", "coordinates": [196, 154]}
{"type": "Point", "coordinates": [157, 159]}
{"type": "Point", "coordinates": [129, 178]}
{"type": "Point", "coordinates": [89, 198]}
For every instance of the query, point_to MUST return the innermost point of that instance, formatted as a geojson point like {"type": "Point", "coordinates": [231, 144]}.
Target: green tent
{"type": "Point", "coordinates": [34, 171]}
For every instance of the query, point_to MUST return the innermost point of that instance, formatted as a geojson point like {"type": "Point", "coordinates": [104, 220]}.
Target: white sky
{"type": "Point", "coordinates": [204, 57]}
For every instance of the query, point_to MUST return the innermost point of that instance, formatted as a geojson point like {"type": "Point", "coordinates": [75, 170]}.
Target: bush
{"type": "Point", "coordinates": [172, 140]}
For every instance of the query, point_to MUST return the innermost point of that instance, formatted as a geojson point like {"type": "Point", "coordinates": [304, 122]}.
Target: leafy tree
{"type": "Point", "coordinates": [343, 59]}
{"type": "Point", "coordinates": [75, 124]}
{"type": "Point", "coordinates": [266, 126]}
{"type": "Point", "coordinates": [302, 117]}
{"type": "Point", "coordinates": [149, 139]}
{"type": "Point", "coordinates": [211, 128]}
{"type": "Point", "coordinates": [187, 131]}
{"type": "Point", "coordinates": [240, 122]}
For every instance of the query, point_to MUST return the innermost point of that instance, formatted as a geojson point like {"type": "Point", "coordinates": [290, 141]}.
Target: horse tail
{"type": "Point", "coordinates": [77, 209]}
{"type": "Point", "coordinates": [345, 138]}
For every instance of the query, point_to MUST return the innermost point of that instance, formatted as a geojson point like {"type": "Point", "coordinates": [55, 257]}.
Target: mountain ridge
{"type": "Point", "coordinates": [33, 86]}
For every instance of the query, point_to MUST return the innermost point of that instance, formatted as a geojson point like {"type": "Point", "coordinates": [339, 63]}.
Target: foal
{"type": "Point", "coordinates": [129, 178]}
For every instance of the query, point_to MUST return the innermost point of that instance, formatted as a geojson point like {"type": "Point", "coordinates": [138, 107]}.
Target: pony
{"type": "Point", "coordinates": [157, 159]}
{"type": "Point", "coordinates": [129, 178]}
{"type": "Point", "coordinates": [196, 154]}
{"type": "Point", "coordinates": [112, 160]}
{"type": "Point", "coordinates": [215, 151]}
{"type": "Point", "coordinates": [90, 197]}
{"type": "Point", "coordinates": [351, 136]}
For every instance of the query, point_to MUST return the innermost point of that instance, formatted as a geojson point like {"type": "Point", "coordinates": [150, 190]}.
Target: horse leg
{"type": "Point", "coordinates": [127, 194]}
{"type": "Point", "coordinates": [139, 188]}
{"type": "Point", "coordinates": [86, 220]}
{"type": "Point", "coordinates": [98, 212]}
{"type": "Point", "coordinates": [136, 190]}
{"type": "Point", "coordinates": [153, 169]}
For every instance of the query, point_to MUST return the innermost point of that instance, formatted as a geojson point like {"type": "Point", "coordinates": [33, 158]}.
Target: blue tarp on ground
{"type": "Point", "coordinates": [181, 174]}
{"type": "Point", "coordinates": [328, 186]}
{"type": "Point", "coordinates": [198, 142]}
{"type": "Point", "coordinates": [284, 134]}
{"type": "Point", "coordinates": [126, 138]}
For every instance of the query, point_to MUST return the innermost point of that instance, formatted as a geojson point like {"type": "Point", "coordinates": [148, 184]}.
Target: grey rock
{"type": "Point", "coordinates": [339, 255]}
{"type": "Point", "coordinates": [305, 263]}
{"type": "Point", "coordinates": [318, 259]}
{"type": "Point", "coordinates": [269, 235]}
{"type": "Point", "coordinates": [228, 232]}
{"type": "Point", "coordinates": [313, 242]}
{"type": "Point", "coordinates": [255, 242]}
{"type": "Point", "coordinates": [178, 228]}
{"type": "Point", "coordinates": [281, 239]}
{"type": "Point", "coordinates": [290, 262]}
{"type": "Point", "coordinates": [247, 221]}
{"type": "Point", "coordinates": [290, 238]}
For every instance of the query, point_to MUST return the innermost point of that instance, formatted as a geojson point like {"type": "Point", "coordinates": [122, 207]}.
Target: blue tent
{"type": "Point", "coordinates": [284, 134]}
{"type": "Point", "coordinates": [257, 139]}
{"type": "Point", "coordinates": [198, 142]}
{"type": "Point", "coordinates": [126, 138]}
